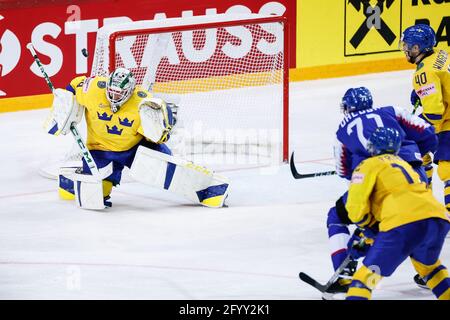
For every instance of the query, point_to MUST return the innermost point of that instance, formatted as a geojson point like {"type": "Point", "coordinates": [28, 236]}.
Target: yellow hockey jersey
{"type": "Point", "coordinates": [387, 189]}
{"type": "Point", "coordinates": [108, 131]}
{"type": "Point", "coordinates": [432, 84]}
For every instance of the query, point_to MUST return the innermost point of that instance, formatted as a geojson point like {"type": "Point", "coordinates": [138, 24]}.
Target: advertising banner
{"type": "Point", "coordinates": [64, 32]}
{"type": "Point", "coordinates": [347, 37]}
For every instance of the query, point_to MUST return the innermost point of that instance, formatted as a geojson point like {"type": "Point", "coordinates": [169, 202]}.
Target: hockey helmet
{"type": "Point", "coordinates": [384, 140]}
{"type": "Point", "coordinates": [417, 39]}
{"type": "Point", "coordinates": [356, 99]}
{"type": "Point", "coordinates": [119, 87]}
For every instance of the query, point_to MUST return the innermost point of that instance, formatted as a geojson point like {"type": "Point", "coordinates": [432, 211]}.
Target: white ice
{"type": "Point", "coordinates": [153, 245]}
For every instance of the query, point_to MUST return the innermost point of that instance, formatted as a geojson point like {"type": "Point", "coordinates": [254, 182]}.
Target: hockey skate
{"type": "Point", "coordinates": [338, 289]}
{"type": "Point", "coordinates": [420, 282]}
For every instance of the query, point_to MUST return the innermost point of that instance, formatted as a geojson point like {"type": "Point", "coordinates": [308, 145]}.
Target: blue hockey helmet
{"type": "Point", "coordinates": [356, 99]}
{"type": "Point", "coordinates": [420, 35]}
{"type": "Point", "coordinates": [384, 140]}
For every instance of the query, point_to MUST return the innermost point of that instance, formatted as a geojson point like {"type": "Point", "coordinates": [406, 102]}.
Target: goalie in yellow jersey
{"type": "Point", "coordinates": [431, 84]}
{"type": "Point", "coordinates": [127, 127]}
{"type": "Point", "coordinates": [386, 193]}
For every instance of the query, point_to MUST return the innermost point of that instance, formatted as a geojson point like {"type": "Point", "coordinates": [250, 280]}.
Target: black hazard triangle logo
{"type": "Point", "coordinates": [372, 26]}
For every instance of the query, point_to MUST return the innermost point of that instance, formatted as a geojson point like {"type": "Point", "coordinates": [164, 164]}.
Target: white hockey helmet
{"type": "Point", "coordinates": [119, 87]}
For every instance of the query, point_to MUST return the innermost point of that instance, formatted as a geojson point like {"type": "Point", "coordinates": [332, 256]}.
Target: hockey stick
{"type": "Point", "coordinates": [324, 287]}
{"type": "Point", "coordinates": [98, 174]}
{"type": "Point", "coordinates": [297, 175]}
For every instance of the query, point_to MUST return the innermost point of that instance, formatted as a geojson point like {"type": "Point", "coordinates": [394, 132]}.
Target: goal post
{"type": "Point", "coordinates": [228, 74]}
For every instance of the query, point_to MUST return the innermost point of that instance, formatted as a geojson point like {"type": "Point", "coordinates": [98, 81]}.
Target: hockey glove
{"type": "Point", "coordinates": [65, 111]}
{"type": "Point", "coordinates": [360, 243]}
{"type": "Point", "coordinates": [156, 120]}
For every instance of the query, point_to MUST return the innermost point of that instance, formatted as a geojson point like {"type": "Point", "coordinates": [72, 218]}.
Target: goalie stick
{"type": "Point", "coordinates": [297, 175]}
{"type": "Point", "coordinates": [96, 173]}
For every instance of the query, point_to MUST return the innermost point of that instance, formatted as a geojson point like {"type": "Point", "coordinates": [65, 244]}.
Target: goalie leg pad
{"type": "Point", "coordinates": [66, 189]}
{"type": "Point", "coordinates": [88, 192]}
{"type": "Point", "coordinates": [89, 195]}
{"type": "Point", "coordinates": [180, 176]}
{"type": "Point", "coordinates": [213, 196]}
{"type": "Point", "coordinates": [66, 184]}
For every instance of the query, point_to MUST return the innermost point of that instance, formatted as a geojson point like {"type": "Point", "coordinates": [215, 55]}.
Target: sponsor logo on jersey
{"type": "Point", "coordinates": [426, 90]}
{"type": "Point", "coordinates": [101, 84]}
{"type": "Point", "coordinates": [357, 178]}
{"type": "Point", "coordinates": [142, 94]}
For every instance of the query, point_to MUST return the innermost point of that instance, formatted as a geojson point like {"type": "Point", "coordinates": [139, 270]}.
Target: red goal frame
{"type": "Point", "coordinates": [210, 25]}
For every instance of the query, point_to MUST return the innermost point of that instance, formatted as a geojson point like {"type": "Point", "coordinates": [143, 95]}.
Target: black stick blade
{"type": "Point", "coordinates": [305, 278]}
{"type": "Point", "coordinates": [297, 175]}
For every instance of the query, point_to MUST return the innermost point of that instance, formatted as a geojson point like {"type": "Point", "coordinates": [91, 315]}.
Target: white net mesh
{"type": "Point", "coordinates": [227, 81]}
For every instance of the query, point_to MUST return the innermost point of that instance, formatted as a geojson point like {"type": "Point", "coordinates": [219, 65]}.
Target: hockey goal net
{"type": "Point", "coordinates": [228, 75]}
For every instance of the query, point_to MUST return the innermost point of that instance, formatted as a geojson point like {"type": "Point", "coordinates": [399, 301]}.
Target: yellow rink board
{"type": "Point", "coordinates": [328, 44]}
{"type": "Point", "coordinates": [342, 38]}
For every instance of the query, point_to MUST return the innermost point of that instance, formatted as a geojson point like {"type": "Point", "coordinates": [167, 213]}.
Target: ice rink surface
{"type": "Point", "coordinates": [153, 245]}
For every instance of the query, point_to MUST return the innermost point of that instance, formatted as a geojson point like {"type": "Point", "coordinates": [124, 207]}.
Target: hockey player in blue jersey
{"type": "Point", "coordinates": [361, 119]}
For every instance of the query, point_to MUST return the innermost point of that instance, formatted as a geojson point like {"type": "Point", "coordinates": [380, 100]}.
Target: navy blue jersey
{"type": "Point", "coordinates": [418, 136]}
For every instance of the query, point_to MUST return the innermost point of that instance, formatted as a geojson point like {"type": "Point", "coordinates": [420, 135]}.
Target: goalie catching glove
{"type": "Point", "coordinates": [64, 111]}
{"type": "Point", "coordinates": [156, 119]}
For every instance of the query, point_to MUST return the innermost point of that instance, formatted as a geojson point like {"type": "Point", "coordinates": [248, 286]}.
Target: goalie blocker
{"type": "Point", "coordinates": [152, 168]}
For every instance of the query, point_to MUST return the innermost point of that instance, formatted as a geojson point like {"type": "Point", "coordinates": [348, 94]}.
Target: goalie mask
{"type": "Point", "coordinates": [119, 88]}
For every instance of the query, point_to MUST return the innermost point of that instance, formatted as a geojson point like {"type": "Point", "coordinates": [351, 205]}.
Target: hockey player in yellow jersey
{"type": "Point", "coordinates": [128, 127]}
{"type": "Point", "coordinates": [431, 84]}
{"type": "Point", "coordinates": [113, 126]}
{"type": "Point", "coordinates": [387, 197]}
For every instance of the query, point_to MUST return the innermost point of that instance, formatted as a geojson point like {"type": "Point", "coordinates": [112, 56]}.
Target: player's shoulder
{"type": "Point", "coordinates": [386, 109]}
{"type": "Point", "coordinates": [140, 93]}
{"type": "Point", "coordinates": [350, 117]}
{"type": "Point", "coordinates": [376, 163]}
{"type": "Point", "coordinates": [77, 82]}
{"type": "Point", "coordinates": [436, 62]}
{"type": "Point", "coordinates": [92, 84]}
{"type": "Point", "coordinates": [99, 82]}
{"type": "Point", "coordinates": [387, 160]}
{"type": "Point", "coordinates": [136, 98]}
{"type": "Point", "coordinates": [365, 168]}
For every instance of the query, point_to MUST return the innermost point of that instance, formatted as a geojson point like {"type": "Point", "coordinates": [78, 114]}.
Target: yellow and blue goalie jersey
{"type": "Point", "coordinates": [432, 84]}
{"type": "Point", "coordinates": [386, 189]}
{"type": "Point", "coordinates": [108, 131]}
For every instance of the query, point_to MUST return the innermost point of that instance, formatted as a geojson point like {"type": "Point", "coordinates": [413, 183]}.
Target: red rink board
{"type": "Point", "coordinates": [60, 30]}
